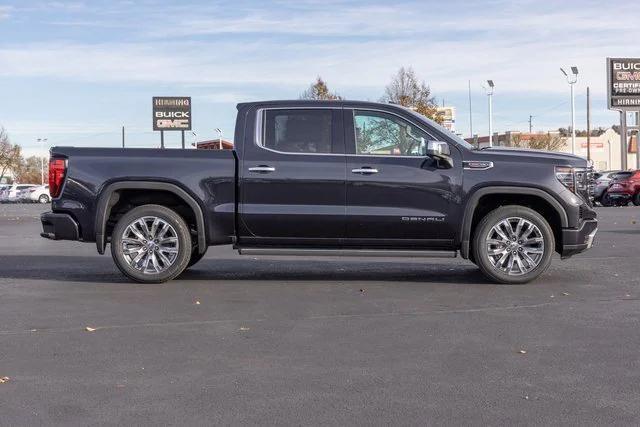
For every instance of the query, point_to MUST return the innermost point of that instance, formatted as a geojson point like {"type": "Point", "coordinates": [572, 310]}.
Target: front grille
{"type": "Point", "coordinates": [585, 183]}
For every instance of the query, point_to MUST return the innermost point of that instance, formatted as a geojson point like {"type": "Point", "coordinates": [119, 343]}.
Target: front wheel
{"type": "Point", "coordinates": [43, 199]}
{"type": "Point", "coordinates": [513, 244]}
{"type": "Point", "coordinates": [636, 200]}
{"type": "Point", "coordinates": [151, 244]}
{"type": "Point", "coordinates": [195, 256]}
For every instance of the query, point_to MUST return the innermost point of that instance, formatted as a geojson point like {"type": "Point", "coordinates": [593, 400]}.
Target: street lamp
{"type": "Point", "coordinates": [43, 141]}
{"type": "Point", "coordinates": [219, 137]}
{"type": "Point", "coordinates": [490, 96]}
{"type": "Point", "coordinates": [572, 79]}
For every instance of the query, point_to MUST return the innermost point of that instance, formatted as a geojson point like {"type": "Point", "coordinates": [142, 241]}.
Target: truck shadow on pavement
{"type": "Point", "coordinates": [96, 269]}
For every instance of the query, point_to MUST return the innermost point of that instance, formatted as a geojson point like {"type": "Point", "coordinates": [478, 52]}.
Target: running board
{"type": "Point", "coordinates": [402, 253]}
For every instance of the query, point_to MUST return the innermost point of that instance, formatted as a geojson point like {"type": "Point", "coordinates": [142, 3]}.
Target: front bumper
{"type": "Point", "coordinates": [578, 240]}
{"type": "Point", "coordinates": [59, 226]}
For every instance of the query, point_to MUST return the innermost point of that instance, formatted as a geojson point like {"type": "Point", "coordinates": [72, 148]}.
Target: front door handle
{"type": "Point", "coordinates": [262, 169]}
{"type": "Point", "coordinates": [365, 170]}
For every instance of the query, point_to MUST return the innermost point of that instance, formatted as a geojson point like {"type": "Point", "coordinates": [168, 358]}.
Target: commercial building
{"type": "Point", "coordinates": [215, 144]}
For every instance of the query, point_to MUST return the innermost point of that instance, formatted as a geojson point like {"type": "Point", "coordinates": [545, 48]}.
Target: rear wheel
{"type": "Point", "coordinates": [43, 199]}
{"type": "Point", "coordinates": [605, 200]}
{"type": "Point", "coordinates": [513, 244]}
{"type": "Point", "coordinates": [151, 244]}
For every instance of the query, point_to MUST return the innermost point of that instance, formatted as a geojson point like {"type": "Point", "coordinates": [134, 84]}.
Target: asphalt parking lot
{"type": "Point", "coordinates": [242, 340]}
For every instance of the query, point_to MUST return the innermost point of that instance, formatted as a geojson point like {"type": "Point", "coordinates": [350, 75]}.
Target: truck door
{"type": "Point", "coordinates": [292, 178]}
{"type": "Point", "coordinates": [396, 195]}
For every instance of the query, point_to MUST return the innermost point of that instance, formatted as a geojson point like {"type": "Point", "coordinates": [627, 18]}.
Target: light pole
{"type": "Point", "coordinates": [490, 96]}
{"type": "Point", "coordinates": [42, 141]}
{"type": "Point", "coordinates": [219, 137]}
{"type": "Point", "coordinates": [572, 79]}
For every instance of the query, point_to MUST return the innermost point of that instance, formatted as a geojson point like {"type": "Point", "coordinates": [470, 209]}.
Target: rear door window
{"type": "Point", "coordinates": [298, 130]}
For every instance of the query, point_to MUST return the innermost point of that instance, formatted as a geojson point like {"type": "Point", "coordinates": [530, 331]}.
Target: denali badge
{"type": "Point", "coordinates": [477, 165]}
{"type": "Point", "coordinates": [423, 218]}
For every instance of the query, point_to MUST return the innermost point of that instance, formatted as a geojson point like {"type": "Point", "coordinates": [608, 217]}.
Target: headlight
{"type": "Point", "coordinates": [566, 177]}
{"type": "Point", "coordinates": [577, 180]}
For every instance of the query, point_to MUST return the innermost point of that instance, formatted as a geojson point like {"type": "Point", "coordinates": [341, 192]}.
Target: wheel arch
{"type": "Point", "coordinates": [109, 197]}
{"type": "Point", "coordinates": [473, 202]}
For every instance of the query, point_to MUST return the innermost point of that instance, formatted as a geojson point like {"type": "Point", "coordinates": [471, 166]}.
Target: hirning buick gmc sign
{"type": "Point", "coordinates": [171, 113]}
{"type": "Point", "coordinates": [623, 83]}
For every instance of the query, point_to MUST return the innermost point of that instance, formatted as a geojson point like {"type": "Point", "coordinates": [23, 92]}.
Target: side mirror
{"type": "Point", "coordinates": [440, 152]}
{"type": "Point", "coordinates": [437, 149]}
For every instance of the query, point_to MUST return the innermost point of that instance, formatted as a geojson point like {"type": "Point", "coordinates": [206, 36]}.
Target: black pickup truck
{"type": "Point", "coordinates": [325, 178]}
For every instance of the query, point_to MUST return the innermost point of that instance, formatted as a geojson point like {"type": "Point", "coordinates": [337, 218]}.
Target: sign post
{"type": "Point", "coordinates": [171, 113]}
{"type": "Point", "coordinates": [623, 95]}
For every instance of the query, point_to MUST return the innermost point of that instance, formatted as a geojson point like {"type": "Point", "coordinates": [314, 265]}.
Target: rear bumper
{"type": "Point", "coordinates": [578, 240]}
{"type": "Point", "coordinates": [59, 226]}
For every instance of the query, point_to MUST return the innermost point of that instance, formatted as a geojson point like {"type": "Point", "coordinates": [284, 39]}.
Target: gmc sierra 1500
{"type": "Point", "coordinates": [325, 178]}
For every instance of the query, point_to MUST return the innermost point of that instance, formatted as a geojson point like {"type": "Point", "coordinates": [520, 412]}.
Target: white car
{"type": "Point", "coordinates": [39, 194]}
{"type": "Point", "coordinates": [10, 194]}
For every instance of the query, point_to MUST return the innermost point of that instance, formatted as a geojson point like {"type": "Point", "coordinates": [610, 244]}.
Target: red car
{"type": "Point", "coordinates": [625, 187]}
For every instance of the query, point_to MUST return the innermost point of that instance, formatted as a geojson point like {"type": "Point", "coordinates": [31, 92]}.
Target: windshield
{"type": "Point", "coordinates": [442, 129]}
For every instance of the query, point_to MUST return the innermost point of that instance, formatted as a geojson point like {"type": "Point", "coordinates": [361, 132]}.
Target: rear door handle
{"type": "Point", "coordinates": [262, 169]}
{"type": "Point", "coordinates": [364, 170]}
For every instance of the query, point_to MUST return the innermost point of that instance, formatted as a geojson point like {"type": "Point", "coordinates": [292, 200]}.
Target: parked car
{"type": "Point", "coordinates": [39, 194]}
{"type": "Point", "coordinates": [11, 193]}
{"type": "Point", "coordinates": [325, 178]}
{"type": "Point", "coordinates": [625, 188]}
{"type": "Point", "coordinates": [602, 181]}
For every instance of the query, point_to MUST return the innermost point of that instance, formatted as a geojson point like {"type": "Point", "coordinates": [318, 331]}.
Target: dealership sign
{"type": "Point", "coordinates": [171, 113]}
{"type": "Point", "coordinates": [623, 83]}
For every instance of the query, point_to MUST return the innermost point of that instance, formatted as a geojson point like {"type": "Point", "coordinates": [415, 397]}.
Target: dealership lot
{"type": "Point", "coordinates": [242, 340]}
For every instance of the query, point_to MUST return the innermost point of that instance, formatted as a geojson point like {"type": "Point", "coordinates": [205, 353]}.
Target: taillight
{"type": "Point", "coordinates": [57, 171]}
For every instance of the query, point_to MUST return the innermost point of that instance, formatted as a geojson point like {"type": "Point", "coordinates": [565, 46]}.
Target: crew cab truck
{"type": "Point", "coordinates": [325, 178]}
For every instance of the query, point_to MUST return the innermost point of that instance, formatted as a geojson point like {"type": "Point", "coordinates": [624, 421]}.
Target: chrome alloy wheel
{"type": "Point", "coordinates": [150, 245]}
{"type": "Point", "coordinates": [515, 246]}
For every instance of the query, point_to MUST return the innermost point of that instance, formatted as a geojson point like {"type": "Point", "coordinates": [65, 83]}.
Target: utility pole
{"type": "Point", "coordinates": [470, 114]}
{"type": "Point", "coordinates": [530, 123]}
{"type": "Point", "coordinates": [122, 136]}
{"type": "Point", "coordinates": [42, 140]}
{"type": "Point", "coordinates": [638, 140]}
{"type": "Point", "coordinates": [588, 126]}
{"type": "Point", "coordinates": [623, 140]}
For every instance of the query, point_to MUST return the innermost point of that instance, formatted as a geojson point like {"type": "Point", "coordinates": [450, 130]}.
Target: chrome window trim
{"type": "Point", "coordinates": [260, 131]}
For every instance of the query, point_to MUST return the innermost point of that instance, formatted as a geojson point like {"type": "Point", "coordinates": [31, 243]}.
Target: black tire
{"type": "Point", "coordinates": [481, 251]}
{"type": "Point", "coordinates": [182, 236]}
{"type": "Point", "coordinates": [636, 199]}
{"type": "Point", "coordinates": [605, 200]}
{"type": "Point", "coordinates": [43, 199]}
{"type": "Point", "coordinates": [195, 256]}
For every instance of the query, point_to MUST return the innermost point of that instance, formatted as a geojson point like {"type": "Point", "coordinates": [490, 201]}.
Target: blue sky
{"type": "Point", "coordinates": [75, 71]}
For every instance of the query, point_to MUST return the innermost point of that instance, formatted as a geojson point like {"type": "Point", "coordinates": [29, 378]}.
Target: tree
{"type": "Point", "coordinates": [9, 154]}
{"type": "Point", "coordinates": [405, 89]}
{"type": "Point", "coordinates": [320, 91]}
{"type": "Point", "coordinates": [29, 170]}
{"type": "Point", "coordinates": [548, 141]}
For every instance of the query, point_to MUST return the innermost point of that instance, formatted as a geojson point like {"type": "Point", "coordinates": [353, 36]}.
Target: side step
{"type": "Point", "coordinates": [401, 253]}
